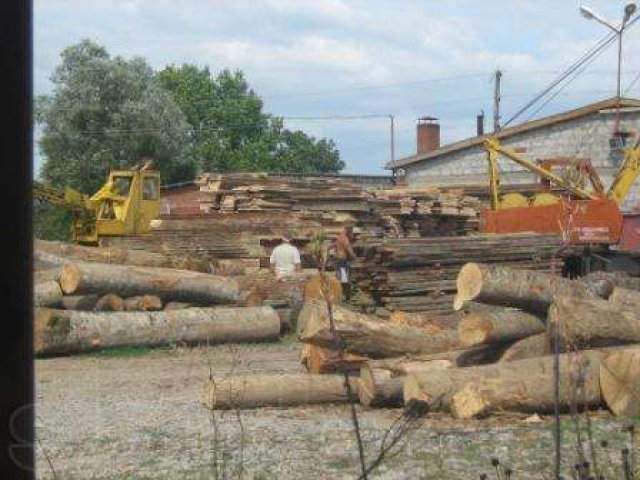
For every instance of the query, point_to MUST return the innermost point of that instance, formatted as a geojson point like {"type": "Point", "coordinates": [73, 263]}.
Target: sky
{"type": "Point", "coordinates": [355, 58]}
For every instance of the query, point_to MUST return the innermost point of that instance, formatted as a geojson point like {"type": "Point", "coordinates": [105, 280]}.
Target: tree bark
{"type": "Point", "coordinates": [142, 303]}
{"type": "Point", "coordinates": [80, 302]}
{"type": "Point", "coordinates": [325, 360]}
{"type": "Point", "coordinates": [46, 275]}
{"type": "Point", "coordinates": [534, 346]}
{"type": "Point", "coordinates": [66, 331]}
{"type": "Point", "coordinates": [525, 289]}
{"type": "Point", "coordinates": [109, 303]}
{"type": "Point", "coordinates": [176, 305]}
{"type": "Point", "coordinates": [129, 281]}
{"type": "Point", "coordinates": [367, 335]}
{"type": "Point", "coordinates": [592, 323]}
{"type": "Point", "coordinates": [278, 390]}
{"type": "Point", "coordinates": [378, 388]}
{"type": "Point", "coordinates": [620, 382]}
{"type": "Point", "coordinates": [427, 321]}
{"type": "Point", "coordinates": [47, 294]}
{"type": "Point", "coordinates": [454, 358]}
{"type": "Point", "coordinates": [141, 258]}
{"type": "Point", "coordinates": [625, 297]}
{"type": "Point", "coordinates": [603, 283]}
{"type": "Point", "coordinates": [528, 386]}
{"type": "Point", "coordinates": [499, 325]}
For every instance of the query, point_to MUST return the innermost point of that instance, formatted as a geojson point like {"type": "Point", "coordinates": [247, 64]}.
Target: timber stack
{"type": "Point", "coordinates": [495, 356]}
{"type": "Point", "coordinates": [418, 274]}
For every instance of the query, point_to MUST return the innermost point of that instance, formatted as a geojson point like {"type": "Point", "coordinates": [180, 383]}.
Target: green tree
{"type": "Point", "coordinates": [232, 133]}
{"type": "Point", "coordinates": [106, 113]}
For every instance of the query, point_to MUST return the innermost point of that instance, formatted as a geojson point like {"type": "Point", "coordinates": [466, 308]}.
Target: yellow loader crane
{"type": "Point", "coordinates": [125, 205]}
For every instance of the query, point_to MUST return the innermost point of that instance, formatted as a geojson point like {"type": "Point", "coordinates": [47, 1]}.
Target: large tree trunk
{"type": "Point", "coordinates": [128, 281]}
{"type": "Point", "coordinates": [534, 346]}
{"type": "Point", "coordinates": [80, 302]}
{"type": "Point", "coordinates": [620, 382]}
{"type": "Point", "coordinates": [109, 303]}
{"type": "Point", "coordinates": [315, 290]}
{"type": "Point", "coordinates": [499, 325]}
{"type": "Point", "coordinates": [318, 359]}
{"type": "Point", "coordinates": [528, 386]}
{"type": "Point", "coordinates": [66, 331]}
{"type": "Point", "coordinates": [176, 305]}
{"type": "Point", "coordinates": [142, 303]}
{"type": "Point", "coordinates": [453, 358]}
{"type": "Point", "coordinates": [141, 258]}
{"type": "Point", "coordinates": [46, 275]}
{"type": "Point", "coordinates": [278, 390]}
{"type": "Point", "coordinates": [583, 323]}
{"type": "Point", "coordinates": [625, 297]}
{"type": "Point", "coordinates": [427, 321]}
{"type": "Point", "coordinates": [525, 289]}
{"type": "Point", "coordinates": [603, 283]}
{"type": "Point", "coordinates": [378, 388]}
{"type": "Point", "coordinates": [47, 294]}
{"type": "Point", "coordinates": [367, 335]}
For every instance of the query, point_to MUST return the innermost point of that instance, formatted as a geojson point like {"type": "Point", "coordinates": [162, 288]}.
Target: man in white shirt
{"type": "Point", "coordinates": [285, 258]}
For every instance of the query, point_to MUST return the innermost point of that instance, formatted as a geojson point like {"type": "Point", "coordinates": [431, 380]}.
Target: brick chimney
{"type": "Point", "coordinates": [428, 134]}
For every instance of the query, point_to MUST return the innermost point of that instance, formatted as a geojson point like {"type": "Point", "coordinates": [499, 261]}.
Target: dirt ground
{"type": "Point", "coordinates": [137, 414]}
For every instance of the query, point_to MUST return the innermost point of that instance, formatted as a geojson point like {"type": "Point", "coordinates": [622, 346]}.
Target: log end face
{"type": "Point", "coordinates": [468, 284]}
{"type": "Point", "coordinates": [620, 382]}
{"type": "Point", "coordinates": [468, 402]}
{"type": "Point", "coordinates": [474, 330]}
{"type": "Point", "coordinates": [69, 278]}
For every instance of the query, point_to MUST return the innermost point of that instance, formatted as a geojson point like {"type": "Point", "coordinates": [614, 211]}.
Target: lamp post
{"type": "Point", "coordinates": [629, 10]}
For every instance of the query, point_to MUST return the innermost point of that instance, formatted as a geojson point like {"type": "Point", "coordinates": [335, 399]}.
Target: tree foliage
{"type": "Point", "coordinates": [232, 133]}
{"type": "Point", "coordinates": [104, 113]}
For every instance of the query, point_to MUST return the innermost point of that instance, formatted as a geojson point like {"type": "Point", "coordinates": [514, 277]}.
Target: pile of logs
{"type": "Point", "coordinates": [493, 354]}
{"type": "Point", "coordinates": [418, 274]}
{"type": "Point", "coordinates": [83, 303]}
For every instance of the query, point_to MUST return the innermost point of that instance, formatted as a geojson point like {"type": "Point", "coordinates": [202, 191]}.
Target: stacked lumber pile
{"type": "Point", "coordinates": [418, 274]}
{"type": "Point", "coordinates": [494, 357]}
{"type": "Point", "coordinates": [86, 304]}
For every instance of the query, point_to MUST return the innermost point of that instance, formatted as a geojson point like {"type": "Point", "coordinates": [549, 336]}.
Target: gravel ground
{"type": "Point", "coordinates": [135, 416]}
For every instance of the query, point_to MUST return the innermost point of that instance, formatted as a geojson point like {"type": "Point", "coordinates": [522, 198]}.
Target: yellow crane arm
{"type": "Point", "coordinates": [493, 146]}
{"type": "Point", "coordinates": [627, 174]}
{"type": "Point", "coordinates": [68, 198]}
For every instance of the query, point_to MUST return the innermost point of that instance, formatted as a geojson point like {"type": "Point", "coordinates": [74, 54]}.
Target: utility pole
{"type": "Point", "coordinates": [393, 139]}
{"type": "Point", "coordinates": [496, 101]}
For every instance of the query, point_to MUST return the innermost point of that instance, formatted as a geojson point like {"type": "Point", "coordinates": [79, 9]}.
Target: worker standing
{"type": "Point", "coordinates": [343, 256]}
{"type": "Point", "coordinates": [285, 258]}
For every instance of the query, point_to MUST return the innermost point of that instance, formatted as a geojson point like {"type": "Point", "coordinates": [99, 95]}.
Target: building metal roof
{"type": "Point", "coordinates": [611, 103]}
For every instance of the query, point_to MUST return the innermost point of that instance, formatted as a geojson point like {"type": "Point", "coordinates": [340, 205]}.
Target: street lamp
{"type": "Point", "coordinates": [629, 10]}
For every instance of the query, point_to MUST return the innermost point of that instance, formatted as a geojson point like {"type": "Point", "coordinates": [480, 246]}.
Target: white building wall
{"type": "Point", "coordinates": [587, 137]}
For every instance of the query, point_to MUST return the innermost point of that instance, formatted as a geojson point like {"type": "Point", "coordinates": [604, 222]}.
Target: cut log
{"type": "Point", "coordinates": [620, 382]}
{"type": "Point", "coordinates": [584, 323]}
{"type": "Point", "coordinates": [46, 275]}
{"type": "Point", "coordinates": [47, 293]}
{"type": "Point", "coordinates": [141, 258]}
{"type": "Point", "coordinates": [534, 346]}
{"type": "Point", "coordinates": [176, 305]}
{"type": "Point", "coordinates": [603, 283]}
{"type": "Point", "coordinates": [625, 297]}
{"type": "Point", "coordinates": [313, 289]}
{"type": "Point", "coordinates": [277, 390]}
{"type": "Point", "coordinates": [66, 331]}
{"type": "Point", "coordinates": [525, 289]}
{"type": "Point", "coordinates": [499, 325]}
{"type": "Point", "coordinates": [45, 260]}
{"type": "Point", "coordinates": [453, 358]}
{"type": "Point", "coordinates": [427, 321]}
{"type": "Point", "coordinates": [378, 388]}
{"type": "Point", "coordinates": [368, 335]}
{"type": "Point", "coordinates": [109, 303]}
{"type": "Point", "coordinates": [142, 303]}
{"type": "Point", "coordinates": [318, 359]}
{"type": "Point", "coordinates": [80, 302]}
{"type": "Point", "coordinates": [509, 389]}
{"type": "Point", "coordinates": [128, 281]}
